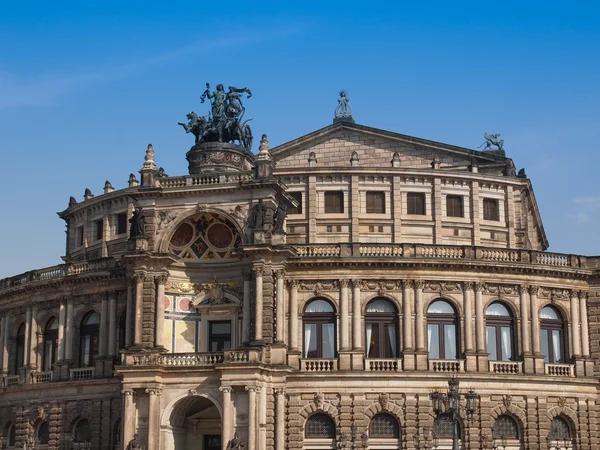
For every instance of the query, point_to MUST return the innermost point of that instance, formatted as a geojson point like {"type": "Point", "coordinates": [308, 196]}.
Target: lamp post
{"type": "Point", "coordinates": [449, 402]}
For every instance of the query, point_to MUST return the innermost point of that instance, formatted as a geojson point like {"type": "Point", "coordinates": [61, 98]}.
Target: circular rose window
{"type": "Point", "coordinates": [183, 235]}
{"type": "Point", "coordinates": [219, 235]}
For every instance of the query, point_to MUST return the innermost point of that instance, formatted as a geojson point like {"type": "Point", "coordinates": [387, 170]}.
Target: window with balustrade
{"type": "Point", "coordinates": [442, 330]}
{"type": "Point", "coordinates": [381, 329]}
{"type": "Point", "coordinates": [50, 344]}
{"type": "Point", "coordinates": [384, 426]}
{"type": "Point", "coordinates": [320, 425]}
{"type": "Point", "coordinates": [43, 434]}
{"type": "Point", "coordinates": [500, 332]}
{"type": "Point", "coordinates": [552, 335]}
{"type": "Point", "coordinates": [219, 335]}
{"type": "Point", "coordinates": [318, 322]}
{"type": "Point", "coordinates": [89, 339]}
{"type": "Point", "coordinates": [19, 359]}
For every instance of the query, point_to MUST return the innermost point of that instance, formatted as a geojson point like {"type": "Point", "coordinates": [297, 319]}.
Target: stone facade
{"type": "Point", "coordinates": [402, 263]}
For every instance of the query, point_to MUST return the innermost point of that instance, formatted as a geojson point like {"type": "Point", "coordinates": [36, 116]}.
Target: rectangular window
{"type": "Point", "coordinates": [454, 206]}
{"type": "Point", "coordinates": [219, 335]}
{"type": "Point", "coordinates": [416, 203]}
{"type": "Point", "coordinates": [492, 345]}
{"type": "Point", "coordinates": [296, 209]}
{"type": "Point", "coordinates": [490, 209]}
{"type": "Point", "coordinates": [122, 223]}
{"type": "Point", "coordinates": [98, 226]}
{"type": "Point", "coordinates": [375, 203]}
{"type": "Point", "coordinates": [79, 236]}
{"type": "Point", "coordinates": [433, 341]}
{"type": "Point", "coordinates": [334, 202]}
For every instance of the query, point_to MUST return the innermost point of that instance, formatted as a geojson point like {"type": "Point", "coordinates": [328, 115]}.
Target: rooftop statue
{"type": "Point", "coordinates": [492, 139]}
{"type": "Point", "coordinates": [343, 108]}
{"type": "Point", "coordinates": [225, 122]}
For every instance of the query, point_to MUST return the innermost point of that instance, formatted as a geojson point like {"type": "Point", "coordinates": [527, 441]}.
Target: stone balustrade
{"type": "Point", "coordinates": [82, 373]}
{"type": "Point", "coordinates": [191, 359]}
{"type": "Point", "coordinates": [560, 370]}
{"type": "Point", "coordinates": [447, 365]}
{"type": "Point", "coordinates": [383, 365]}
{"type": "Point", "coordinates": [318, 365]}
{"type": "Point", "coordinates": [506, 367]}
{"type": "Point", "coordinates": [202, 180]}
{"type": "Point", "coordinates": [11, 380]}
{"type": "Point", "coordinates": [41, 377]}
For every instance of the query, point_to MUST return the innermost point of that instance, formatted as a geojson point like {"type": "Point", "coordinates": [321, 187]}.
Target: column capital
{"type": "Point", "coordinates": [226, 389]}
{"type": "Point", "coordinates": [127, 392]}
{"type": "Point", "coordinates": [154, 391]}
{"type": "Point", "coordinates": [279, 273]}
{"type": "Point", "coordinates": [258, 271]}
{"type": "Point", "coordinates": [161, 278]}
{"type": "Point", "coordinates": [407, 284]}
{"type": "Point", "coordinates": [419, 284]}
{"type": "Point", "coordinates": [479, 287]}
{"type": "Point", "coordinates": [138, 276]}
{"type": "Point", "coordinates": [252, 388]}
{"type": "Point", "coordinates": [583, 294]}
{"type": "Point", "coordinates": [292, 283]}
{"type": "Point", "coordinates": [356, 283]}
{"type": "Point", "coordinates": [523, 289]}
{"type": "Point", "coordinates": [534, 290]}
{"type": "Point", "coordinates": [344, 282]}
{"type": "Point", "coordinates": [279, 391]}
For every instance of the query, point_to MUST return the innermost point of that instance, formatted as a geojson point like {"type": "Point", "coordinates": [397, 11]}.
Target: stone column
{"type": "Point", "coordinates": [62, 318]}
{"type": "Point", "coordinates": [420, 325]}
{"type": "Point", "coordinates": [153, 417]}
{"type": "Point", "coordinates": [69, 330]}
{"type": "Point", "coordinates": [576, 335]}
{"type": "Point", "coordinates": [357, 343]}
{"type": "Point", "coordinates": [280, 420]}
{"type": "Point", "coordinates": [252, 417]}
{"type": "Point", "coordinates": [407, 314]}
{"type": "Point", "coordinates": [159, 329]}
{"type": "Point", "coordinates": [585, 336]}
{"type": "Point", "coordinates": [525, 336]}
{"type": "Point", "coordinates": [112, 324]}
{"type": "Point", "coordinates": [103, 338]}
{"type": "Point", "coordinates": [227, 420]}
{"type": "Point", "coordinates": [129, 315]}
{"type": "Point", "coordinates": [27, 336]}
{"type": "Point", "coordinates": [33, 341]}
{"type": "Point", "coordinates": [293, 314]}
{"type": "Point", "coordinates": [6, 324]}
{"type": "Point", "coordinates": [480, 319]}
{"type": "Point", "coordinates": [246, 307]}
{"type": "Point", "coordinates": [280, 308]}
{"type": "Point", "coordinates": [535, 320]}
{"type": "Point", "coordinates": [344, 316]}
{"type": "Point", "coordinates": [468, 309]}
{"type": "Point", "coordinates": [127, 417]}
{"type": "Point", "coordinates": [139, 308]}
{"type": "Point", "coordinates": [258, 305]}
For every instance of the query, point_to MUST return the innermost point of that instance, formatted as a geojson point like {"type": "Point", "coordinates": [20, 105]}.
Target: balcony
{"type": "Point", "coordinates": [82, 373]}
{"type": "Point", "coordinates": [560, 370]}
{"type": "Point", "coordinates": [506, 367]}
{"type": "Point", "coordinates": [383, 365]}
{"type": "Point", "coordinates": [319, 365]}
{"type": "Point", "coordinates": [447, 365]}
{"type": "Point", "coordinates": [41, 377]}
{"type": "Point", "coordinates": [207, 359]}
{"type": "Point", "coordinates": [11, 381]}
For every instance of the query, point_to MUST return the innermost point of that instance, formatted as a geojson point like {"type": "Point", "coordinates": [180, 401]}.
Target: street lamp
{"type": "Point", "coordinates": [449, 402]}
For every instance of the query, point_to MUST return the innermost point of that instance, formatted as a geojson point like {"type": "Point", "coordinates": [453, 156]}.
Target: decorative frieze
{"type": "Point", "coordinates": [318, 286]}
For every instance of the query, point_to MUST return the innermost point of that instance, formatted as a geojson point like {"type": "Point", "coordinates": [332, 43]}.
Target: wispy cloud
{"type": "Point", "coordinates": [587, 207]}
{"type": "Point", "coordinates": [46, 90]}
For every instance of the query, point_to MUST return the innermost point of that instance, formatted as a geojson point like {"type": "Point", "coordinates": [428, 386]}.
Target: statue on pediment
{"type": "Point", "coordinates": [492, 139]}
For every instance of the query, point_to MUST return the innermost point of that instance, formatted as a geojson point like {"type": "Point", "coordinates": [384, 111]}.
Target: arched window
{"type": "Point", "coordinates": [122, 331]}
{"type": "Point", "coordinates": [505, 427]}
{"type": "Point", "coordinates": [381, 329]}
{"type": "Point", "coordinates": [116, 439]}
{"type": "Point", "coordinates": [82, 432]}
{"type": "Point", "coordinates": [43, 433]}
{"type": "Point", "coordinates": [560, 434]}
{"type": "Point", "coordinates": [319, 329]}
{"type": "Point", "coordinates": [11, 435]}
{"type": "Point", "coordinates": [50, 344]}
{"type": "Point", "coordinates": [320, 426]}
{"type": "Point", "coordinates": [20, 350]}
{"type": "Point", "coordinates": [89, 339]}
{"type": "Point", "coordinates": [442, 326]}
{"type": "Point", "coordinates": [443, 427]}
{"type": "Point", "coordinates": [552, 335]}
{"type": "Point", "coordinates": [384, 426]}
{"type": "Point", "coordinates": [499, 327]}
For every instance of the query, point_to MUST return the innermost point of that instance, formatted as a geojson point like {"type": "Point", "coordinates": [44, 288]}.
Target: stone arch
{"type": "Point", "coordinates": [75, 415]}
{"type": "Point", "coordinates": [564, 312]}
{"type": "Point", "coordinates": [43, 320]}
{"type": "Point", "coordinates": [328, 298]}
{"type": "Point", "coordinates": [448, 298]}
{"type": "Point", "coordinates": [397, 303]}
{"type": "Point", "coordinates": [188, 398]}
{"type": "Point", "coordinates": [392, 409]}
{"type": "Point", "coordinates": [566, 413]}
{"type": "Point", "coordinates": [514, 310]}
{"type": "Point", "coordinates": [514, 411]}
{"type": "Point", "coordinates": [169, 230]}
{"type": "Point", "coordinates": [78, 317]}
{"type": "Point", "coordinates": [326, 408]}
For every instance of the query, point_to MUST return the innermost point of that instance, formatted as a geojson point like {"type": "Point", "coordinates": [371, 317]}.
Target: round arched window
{"type": "Point", "coordinates": [381, 329]}
{"type": "Point", "coordinates": [20, 350]}
{"type": "Point", "coordinates": [82, 432]}
{"type": "Point", "coordinates": [500, 330]}
{"type": "Point", "coordinates": [442, 334]}
{"type": "Point", "coordinates": [43, 433]}
{"type": "Point", "coordinates": [320, 426]}
{"type": "Point", "coordinates": [384, 426]}
{"type": "Point", "coordinates": [50, 344]}
{"type": "Point", "coordinates": [505, 427]}
{"type": "Point", "coordinates": [552, 335]}
{"type": "Point", "coordinates": [89, 333]}
{"type": "Point", "coordinates": [319, 329]}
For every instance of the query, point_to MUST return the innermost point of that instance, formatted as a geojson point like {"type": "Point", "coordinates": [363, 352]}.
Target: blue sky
{"type": "Point", "coordinates": [85, 86]}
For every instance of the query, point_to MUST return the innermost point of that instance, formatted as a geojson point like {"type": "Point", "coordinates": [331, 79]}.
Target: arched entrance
{"type": "Point", "coordinates": [194, 424]}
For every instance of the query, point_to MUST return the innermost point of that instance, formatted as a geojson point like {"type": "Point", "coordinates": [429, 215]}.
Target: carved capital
{"type": "Point", "coordinates": [344, 283]}
{"type": "Point", "coordinates": [356, 283]}
{"type": "Point", "coordinates": [534, 290]}
{"type": "Point", "coordinates": [138, 277]}
{"type": "Point", "coordinates": [468, 286]}
{"type": "Point", "coordinates": [419, 284]}
{"type": "Point", "coordinates": [154, 391]}
{"type": "Point", "coordinates": [583, 294]}
{"type": "Point", "coordinates": [292, 283]}
{"type": "Point", "coordinates": [279, 273]}
{"type": "Point", "coordinates": [161, 278]}
{"type": "Point", "coordinates": [258, 271]}
{"type": "Point", "coordinates": [127, 392]}
{"type": "Point", "coordinates": [523, 289]}
{"type": "Point", "coordinates": [279, 391]}
{"type": "Point", "coordinates": [252, 388]}
{"type": "Point", "coordinates": [479, 287]}
{"type": "Point", "coordinates": [226, 389]}
{"type": "Point", "coordinates": [407, 284]}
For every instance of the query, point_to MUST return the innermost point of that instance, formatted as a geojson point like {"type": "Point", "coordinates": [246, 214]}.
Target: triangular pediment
{"type": "Point", "coordinates": [337, 144]}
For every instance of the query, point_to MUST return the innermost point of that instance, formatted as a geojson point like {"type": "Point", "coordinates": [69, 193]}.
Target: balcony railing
{"type": "Point", "coordinates": [383, 365]}
{"type": "Point", "coordinates": [82, 373]}
{"type": "Point", "coordinates": [506, 367]}
{"type": "Point", "coordinates": [318, 365]}
{"type": "Point", "coordinates": [41, 377]}
{"type": "Point", "coordinates": [560, 370]}
{"type": "Point", "coordinates": [447, 365]}
{"type": "Point", "coordinates": [11, 380]}
{"type": "Point", "coordinates": [191, 359]}
{"type": "Point", "coordinates": [202, 180]}
{"type": "Point", "coordinates": [434, 251]}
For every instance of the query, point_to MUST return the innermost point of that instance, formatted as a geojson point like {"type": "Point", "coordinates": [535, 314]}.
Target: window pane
{"type": "Point", "coordinates": [450, 342]}
{"type": "Point", "coordinates": [433, 341]}
{"type": "Point", "coordinates": [391, 343]}
{"type": "Point", "coordinates": [48, 355]}
{"type": "Point", "coordinates": [556, 347]}
{"type": "Point", "coordinates": [85, 350]}
{"type": "Point", "coordinates": [497, 309]}
{"type": "Point", "coordinates": [310, 340]}
{"type": "Point", "coordinates": [43, 434]}
{"type": "Point", "coordinates": [440, 307]}
{"type": "Point", "coordinates": [416, 203]}
{"type": "Point", "coordinates": [334, 202]}
{"type": "Point", "coordinates": [505, 335]}
{"type": "Point", "coordinates": [454, 206]}
{"type": "Point", "coordinates": [373, 340]}
{"type": "Point", "coordinates": [221, 328]}
{"type": "Point", "coordinates": [122, 223]}
{"type": "Point", "coordinates": [375, 203]}
{"type": "Point", "coordinates": [328, 330]}
{"type": "Point", "coordinates": [319, 306]}
{"type": "Point", "coordinates": [545, 349]}
{"type": "Point", "coordinates": [491, 344]}
{"type": "Point", "coordinates": [549, 313]}
{"type": "Point", "coordinates": [490, 209]}
{"type": "Point", "coordinates": [296, 209]}
{"type": "Point", "coordinates": [381, 306]}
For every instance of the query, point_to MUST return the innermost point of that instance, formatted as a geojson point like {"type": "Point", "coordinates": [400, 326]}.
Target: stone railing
{"type": "Point", "coordinates": [318, 365]}
{"type": "Point", "coordinates": [446, 365]}
{"type": "Point", "coordinates": [560, 370]}
{"type": "Point", "coordinates": [82, 373]}
{"type": "Point", "coordinates": [431, 251]}
{"type": "Point", "coordinates": [506, 367]}
{"type": "Point", "coordinates": [11, 380]}
{"type": "Point", "coordinates": [57, 272]}
{"type": "Point", "coordinates": [237, 356]}
{"type": "Point", "coordinates": [41, 377]}
{"type": "Point", "coordinates": [202, 180]}
{"type": "Point", "coordinates": [383, 365]}
{"type": "Point", "coordinates": [191, 359]}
